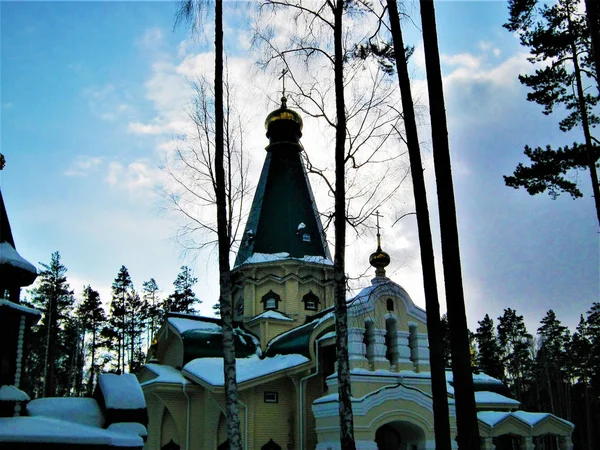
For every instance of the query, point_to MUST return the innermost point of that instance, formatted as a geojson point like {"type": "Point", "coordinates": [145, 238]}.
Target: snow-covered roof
{"type": "Point", "coordinates": [129, 428]}
{"type": "Point", "coordinates": [12, 394]}
{"type": "Point", "coordinates": [121, 391]}
{"type": "Point", "coordinates": [19, 307]}
{"type": "Point", "coordinates": [182, 324]}
{"type": "Point", "coordinates": [257, 258]}
{"type": "Point", "coordinates": [85, 411]}
{"type": "Point", "coordinates": [8, 255]}
{"type": "Point", "coordinates": [271, 314]}
{"type": "Point", "coordinates": [164, 374]}
{"type": "Point", "coordinates": [210, 370]}
{"type": "Point", "coordinates": [492, 418]}
{"type": "Point", "coordinates": [54, 431]}
{"type": "Point", "coordinates": [489, 398]}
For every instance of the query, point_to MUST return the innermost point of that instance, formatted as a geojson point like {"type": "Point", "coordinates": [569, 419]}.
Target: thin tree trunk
{"type": "Point", "coordinates": [436, 354]}
{"type": "Point", "coordinates": [466, 415]}
{"type": "Point", "coordinates": [93, 358]}
{"type": "Point", "coordinates": [339, 274]}
{"type": "Point", "coordinates": [48, 372]}
{"type": "Point", "coordinates": [231, 394]}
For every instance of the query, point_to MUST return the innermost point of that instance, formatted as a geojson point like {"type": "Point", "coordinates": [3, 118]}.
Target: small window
{"type": "Point", "coordinates": [239, 307]}
{"type": "Point", "coordinates": [271, 303]}
{"type": "Point", "coordinates": [390, 304]}
{"type": "Point", "coordinates": [306, 237]}
{"type": "Point", "coordinates": [271, 300]}
{"type": "Point", "coordinates": [271, 397]}
{"type": "Point", "coordinates": [311, 301]}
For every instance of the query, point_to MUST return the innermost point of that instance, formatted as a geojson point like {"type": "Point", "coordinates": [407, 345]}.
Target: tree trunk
{"type": "Point", "coordinates": [466, 415]}
{"type": "Point", "coordinates": [93, 358]}
{"type": "Point", "coordinates": [592, 9]}
{"type": "Point", "coordinates": [339, 274]}
{"type": "Point", "coordinates": [231, 394]}
{"type": "Point", "coordinates": [586, 130]}
{"type": "Point", "coordinates": [436, 355]}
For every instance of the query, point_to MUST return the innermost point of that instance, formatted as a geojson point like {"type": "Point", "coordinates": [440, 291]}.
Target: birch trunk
{"type": "Point", "coordinates": [339, 274]}
{"type": "Point", "coordinates": [231, 394]}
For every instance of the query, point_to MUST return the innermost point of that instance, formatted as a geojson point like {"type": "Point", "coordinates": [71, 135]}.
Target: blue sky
{"type": "Point", "coordinates": [93, 92]}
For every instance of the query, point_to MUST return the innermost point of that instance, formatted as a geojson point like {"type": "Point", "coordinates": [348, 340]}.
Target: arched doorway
{"type": "Point", "coordinates": [399, 435]}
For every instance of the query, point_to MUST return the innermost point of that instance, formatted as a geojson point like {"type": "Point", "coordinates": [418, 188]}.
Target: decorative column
{"type": "Point", "coordinates": [487, 443]}
{"type": "Point", "coordinates": [379, 360]}
{"type": "Point", "coordinates": [357, 350]}
{"type": "Point", "coordinates": [565, 443]}
{"type": "Point", "coordinates": [19, 360]}
{"type": "Point", "coordinates": [419, 349]}
{"type": "Point", "coordinates": [527, 443]}
{"type": "Point", "coordinates": [403, 350]}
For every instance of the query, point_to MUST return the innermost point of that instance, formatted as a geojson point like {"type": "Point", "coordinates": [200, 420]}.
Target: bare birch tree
{"type": "Point", "coordinates": [188, 11]}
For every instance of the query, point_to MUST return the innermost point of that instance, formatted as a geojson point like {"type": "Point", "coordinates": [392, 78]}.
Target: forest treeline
{"type": "Point", "coordinates": [77, 338]}
{"type": "Point", "coordinates": [554, 370]}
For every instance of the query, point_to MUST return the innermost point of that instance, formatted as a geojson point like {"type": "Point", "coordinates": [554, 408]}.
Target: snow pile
{"type": "Point", "coordinates": [121, 391]}
{"type": "Point", "coordinates": [270, 314]}
{"type": "Point", "coordinates": [12, 394]}
{"type": "Point", "coordinates": [137, 429]}
{"type": "Point", "coordinates": [164, 374]}
{"type": "Point", "coordinates": [53, 431]}
{"type": "Point", "coordinates": [182, 325]}
{"type": "Point", "coordinates": [8, 255]}
{"type": "Point", "coordinates": [85, 411]}
{"type": "Point", "coordinates": [210, 370]}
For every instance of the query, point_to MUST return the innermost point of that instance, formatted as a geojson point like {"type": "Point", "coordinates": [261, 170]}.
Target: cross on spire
{"type": "Point", "coordinates": [282, 78]}
{"type": "Point", "coordinates": [377, 215]}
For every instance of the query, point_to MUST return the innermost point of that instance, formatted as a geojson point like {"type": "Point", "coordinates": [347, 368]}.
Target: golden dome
{"type": "Point", "coordinates": [283, 113]}
{"type": "Point", "coordinates": [379, 259]}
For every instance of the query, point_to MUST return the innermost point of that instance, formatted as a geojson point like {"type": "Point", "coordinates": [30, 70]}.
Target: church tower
{"type": "Point", "coordinates": [283, 271]}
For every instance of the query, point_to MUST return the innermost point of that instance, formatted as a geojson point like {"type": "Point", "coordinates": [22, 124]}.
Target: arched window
{"type": "Point", "coordinates": [311, 301]}
{"type": "Point", "coordinates": [271, 300]}
{"type": "Point", "coordinates": [391, 340]}
{"type": "Point", "coordinates": [369, 340]}
{"type": "Point", "coordinates": [390, 304]}
{"type": "Point", "coordinates": [239, 307]}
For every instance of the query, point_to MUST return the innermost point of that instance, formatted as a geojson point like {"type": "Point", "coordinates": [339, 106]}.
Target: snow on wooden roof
{"type": "Point", "coordinates": [84, 411]}
{"type": "Point", "coordinates": [210, 370]}
{"type": "Point", "coordinates": [19, 307]}
{"type": "Point", "coordinates": [9, 393]}
{"type": "Point", "coordinates": [164, 374]}
{"type": "Point", "coordinates": [274, 315]}
{"type": "Point", "coordinates": [121, 391]}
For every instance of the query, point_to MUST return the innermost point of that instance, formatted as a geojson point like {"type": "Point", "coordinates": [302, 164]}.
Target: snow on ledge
{"type": "Point", "coordinates": [270, 314]}
{"type": "Point", "coordinates": [257, 258]}
{"type": "Point", "coordinates": [19, 307]}
{"type": "Point", "coordinates": [210, 370]}
{"type": "Point", "coordinates": [53, 431]}
{"type": "Point", "coordinates": [164, 374]}
{"type": "Point", "coordinates": [129, 428]}
{"type": "Point", "coordinates": [182, 324]}
{"type": "Point", "coordinates": [487, 398]}
{"type": "Point", "coordinates": [12, 394]}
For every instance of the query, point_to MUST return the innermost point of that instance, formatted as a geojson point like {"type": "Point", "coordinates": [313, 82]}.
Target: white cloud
{"type": "Point", "coordinates": [138, 176]}
{"type": "Point", "coordinates": [141, 128]}
{"type": "Point", "coordinates": [82, 166]}
{"type": "Point", "coordinates": [152, 38]}
{"type": "Point", "coordinates": [7, 105]}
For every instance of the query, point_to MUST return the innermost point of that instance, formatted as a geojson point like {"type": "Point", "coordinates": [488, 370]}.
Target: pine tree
{"type": "Point", "coordinates": [117, 328]}
{"type": "Point", "coordinates": [558, 36]}
{"type": "Point", "coordinates": [153, 303]}
{"type": "Point", "coordinates": [183, 299]}
{"type": "Point", "coordinates": [551, 363]}
{"type": "Point", "coordinates": [135, 318]}
{"type": "Point", "coordinates": [488, 357]}
{"type": "Point", "coordinates": [514, 342]}
{"type": "Point", "coordinates": [54, 350]}
{"type": "Point", "coordinates": [93, 319]}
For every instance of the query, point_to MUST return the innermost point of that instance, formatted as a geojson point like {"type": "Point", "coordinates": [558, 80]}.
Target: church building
{"type": "Point", "coordinates": [285, 343]}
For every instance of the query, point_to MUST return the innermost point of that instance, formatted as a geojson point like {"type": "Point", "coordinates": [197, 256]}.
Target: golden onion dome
{"type": "Point", "coordinates": [379, 259]}
{"type": "Point", "coordinates": [283, 113]}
